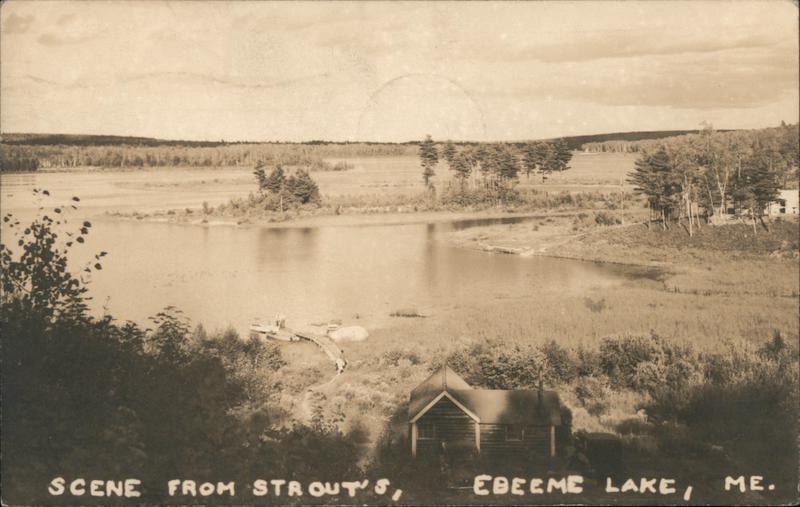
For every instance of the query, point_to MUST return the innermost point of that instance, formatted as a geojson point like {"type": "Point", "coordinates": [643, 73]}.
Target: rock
{"type": "Point", "coordinates": [348, 334]}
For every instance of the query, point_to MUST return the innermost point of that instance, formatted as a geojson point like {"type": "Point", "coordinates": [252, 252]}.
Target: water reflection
{"type": "Point", "coordinates": [284, 245]}
{"type": "Point", "coordinates": [224, 276]}
{"type": "Point", "coordinates": [457, 225]}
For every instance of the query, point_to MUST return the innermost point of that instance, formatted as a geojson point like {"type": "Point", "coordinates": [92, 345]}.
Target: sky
{"type": "Point", "coordinates": [338, 71]}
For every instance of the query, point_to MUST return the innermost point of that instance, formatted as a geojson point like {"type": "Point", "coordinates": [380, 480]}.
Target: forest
{"type": "Point", "coordinates": [30, 157]}
{"type": "Point", "coordinates": [717, 173]}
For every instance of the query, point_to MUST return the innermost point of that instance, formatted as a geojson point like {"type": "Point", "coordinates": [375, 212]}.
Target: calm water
{"type": "Point", "coordinates": [226, 275]}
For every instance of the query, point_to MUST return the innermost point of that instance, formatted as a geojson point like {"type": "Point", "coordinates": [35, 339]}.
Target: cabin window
{"type": "Point", "coordinates": [426, 430]}
{"type": "Point", "coordinates": [514, 432]}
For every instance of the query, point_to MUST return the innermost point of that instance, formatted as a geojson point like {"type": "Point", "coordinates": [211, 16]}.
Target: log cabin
{"type": "Point", "coordinates": [446, 412]}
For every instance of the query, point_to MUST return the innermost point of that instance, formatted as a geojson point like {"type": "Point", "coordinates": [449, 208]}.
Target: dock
{"type": "Point", "coordinates": [328, 347]}
{"type": "Point", "coordinates": [325, 343]}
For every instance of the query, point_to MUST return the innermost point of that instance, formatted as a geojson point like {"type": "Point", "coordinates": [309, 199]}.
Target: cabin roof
{"type": "Point", "coordinates": [518, 406]}
{"type": "Point", "coordinates": [442, 379]}
{"type": "Point", "coordinates": [490, 406]}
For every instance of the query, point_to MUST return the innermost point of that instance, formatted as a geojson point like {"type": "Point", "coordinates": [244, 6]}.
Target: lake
{"type": "Point", "coordinates": [230, 275]}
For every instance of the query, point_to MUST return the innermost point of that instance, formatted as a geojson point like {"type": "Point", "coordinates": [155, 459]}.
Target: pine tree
{"type": "Point", "coordinates": [428, 157]}
{"type": "Point", "coordinates": [547, 158]}
{"type": "Point", "coordinates": [654, 177]}
{"type": "Point", "coordinates": [449, 153]}
{"type": "Point", "coordinates": [261, 176]}
{"type": "Point", "coordinates": [302, 187]}
{"type": "Point", "coordinates": [507, 165]}
{"type": "Point", "coordinates": [755, 186]}
{"type": "Point", "coordinates": [276, 180]}
{"type": "Point", "coordinates": [531, 158]}
{"type": "Point", "coordinates": [562, 155]}
{"type": "Point", "coordinates": [462, 165]}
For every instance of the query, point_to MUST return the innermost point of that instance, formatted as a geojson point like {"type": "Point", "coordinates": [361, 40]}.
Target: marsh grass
{"type": "Point", "coordinates": [407, 312]}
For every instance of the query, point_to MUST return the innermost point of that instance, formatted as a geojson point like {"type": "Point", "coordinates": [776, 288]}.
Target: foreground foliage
{"type": "Point", "coordinates": [89, 397]}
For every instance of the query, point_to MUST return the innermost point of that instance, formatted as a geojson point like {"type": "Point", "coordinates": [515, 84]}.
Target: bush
{"type": "Point", "coordinates": [590, 391]}
{"type": "Point", "coordinates": [456, 195]}
{"type": "Point", "coordinates": [561, 365]}
{"type": "Point", "coordinates": [587, 362]}
{"type": "Point", "coordinates": [605, 218]}
{"type": "Point", "coordinates": [396, 357]}
{"type": "Point", "coordinates": [341, 166]}
{"type": "Point", "coordinates": [407, 312]}
{"type": "Point", "coordinates": [620, 357]}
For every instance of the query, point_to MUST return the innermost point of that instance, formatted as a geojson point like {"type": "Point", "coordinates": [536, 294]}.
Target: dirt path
{"type": "Point", "coordinates": [336, 355]}
{"type": "Point", "coordinates": [304, 408]}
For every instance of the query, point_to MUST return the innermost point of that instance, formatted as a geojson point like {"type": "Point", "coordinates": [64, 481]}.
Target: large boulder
{"type": "Point", "coordinates": [348, 334]}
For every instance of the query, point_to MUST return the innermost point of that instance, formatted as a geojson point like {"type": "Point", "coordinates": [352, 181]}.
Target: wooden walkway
{"type": "Point", "coordinates": [328, 346]}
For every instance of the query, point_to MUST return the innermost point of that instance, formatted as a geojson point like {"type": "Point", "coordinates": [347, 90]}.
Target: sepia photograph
{"type": "Point", "coordinates": [399, 253]}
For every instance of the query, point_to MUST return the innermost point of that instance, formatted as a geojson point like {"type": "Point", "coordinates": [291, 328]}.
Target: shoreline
{"type": "Point", "coordinates": [684, 266]}
{"type": "Point", "coordinates": [342, 220]}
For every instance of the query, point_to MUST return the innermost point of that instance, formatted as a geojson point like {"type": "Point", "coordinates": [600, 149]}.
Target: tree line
{"type": "Point", "coordinates": [30, 157]}
{"type": "Point", "coordinates": [494, 165]}
{"type": "Point", "coordinates": [632, 142]}
{"type": "Point", "coordinates": [716, 173]}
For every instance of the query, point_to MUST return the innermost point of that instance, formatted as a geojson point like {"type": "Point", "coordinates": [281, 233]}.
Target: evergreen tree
{"type": "Point", "coordinates": [654, 177]}
{"type": "Point", "coordinates": [507, 165]}
{"type": "Point", "coordinates": [261, 176]}
{"type": "Point", "coordinates": [755, 186]}
{"type": "Point", "coordinates": [428, 157]}
{"type": "Point", "coordinates": [562, 155]}
{"type": "Point", "coordinates": [462, 165]}
{"type": "Point", "coordinates": [531, 159]}
{"type": "Point", "coordinates": [449, 153]}
{"type": "Point", "coordinates": [276, 180]}
{"type": "Point", "coordinates": [547, 158]}
{"type": "Point", "coordinates": [302, 188]}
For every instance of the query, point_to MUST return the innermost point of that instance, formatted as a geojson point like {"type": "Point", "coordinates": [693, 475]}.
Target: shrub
{"type": "Point", "coordinates": [595, 306]}
{"type": "Point", "coordinates": [606, 218]}
{"type": "Point", "coordinates": [561, 365]}
{"type": "Point", "coordinates": [587, 362]}
{"type": "Point", "coordinates": [397, 357]}
{"type": "Point", "coordinates": [590, 390]}
{"type": "Point", "coordinates": [619, 357]}
{"type": "Point", "coordinates": [407, 312]}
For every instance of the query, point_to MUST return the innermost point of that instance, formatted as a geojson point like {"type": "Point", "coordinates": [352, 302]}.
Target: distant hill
{"type": "Point", "coordinates": [96, 140]}
{"type": "Point", "coordinates": [574, 142]}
